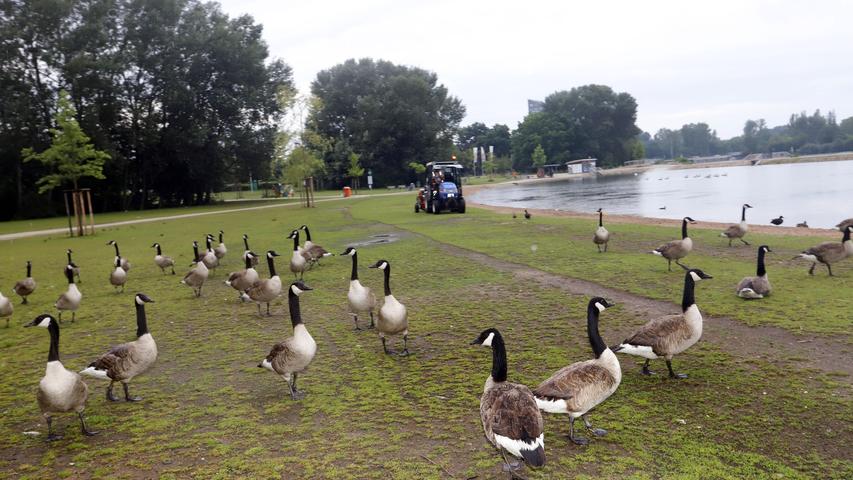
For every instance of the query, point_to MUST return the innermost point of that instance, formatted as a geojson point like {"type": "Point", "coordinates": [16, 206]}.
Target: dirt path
{"type": "Point", "coordinates": [772, 344]}
{"type": "Point", "coordinates": [52, 231]}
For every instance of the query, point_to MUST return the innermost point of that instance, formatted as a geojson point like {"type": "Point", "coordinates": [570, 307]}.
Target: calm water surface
{"type": "Point", "coordinates": [819, 193]}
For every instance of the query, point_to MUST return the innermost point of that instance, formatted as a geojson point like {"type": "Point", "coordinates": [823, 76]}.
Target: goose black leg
{"type": "Point", "coordinates": [73, 316]}
{"type": "Point", "coordinates": [24, 300]}
{"type": "Point", "coordinates": [598, 432]}
{"type": "Point", "coordinates": [294, 393]}
{"type": "Point", "coordinates": [811, 270]}
{"type": "Point", "coordinates": [268, 308]}
{"type": "Point", "coordinates": [685, 267]}
{"type": "Point", "coordinates": [830, 270]}
{"type": "Point", "coordinates": [355, 319]}
{"type": "Point", "coordinates": [605, 248]}
{"type": "Point", "coordinates": [260, 314]}
{"type": "Point", "coordinates": [50, 435]}
{"type": "Point", "coordinates": [127, 396]}
{"type": "Point", "coordinates": [744, 241]}
{"type": "Point", "coordinates": [83, 427]}
{"type": "Point", "coordinates": [599, 247]}
{"type": "Point", "coordinates": [405, 351]}
{"type": "Point", "coordinates": [110, 395]}
{"type": "Point", "coordinates": [60, 316]}
{"type": "Point", "coordinates": [572, 437]}
{"type": "Point", "coordinates": [384, 347]}
{"type": "Point", "coordinates": [646, 370]}
{"type": "Point", "coordinates": [672, 374]}
{"type": "Point", "coordinates": [669, 264]}
{"type": "Point", "coordinates": [173, 270]}
{"type": "Point", "coordinates": [511, 467]}
{"type": "Point", "coordinates": [730, 242]}
{"type": "Point", "coordinates": [371, 319]}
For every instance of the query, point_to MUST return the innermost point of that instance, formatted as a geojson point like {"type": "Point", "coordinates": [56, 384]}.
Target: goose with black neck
{"type": "Point", "coordinates": [740, 230]}
{"type": "Point", "coordinates": [162, 261]}
{"type": "Point", "coordinates": [125, 263]}
{"type": "Point", "coordinates": [24, 288]}
{"type": "Point", "coordinates": [244, 279]}
{"type": "Point", "coordinates": [393, 316]}
{"type": "Point", "coordinates": [359, 297]}
{"type": "Point", "coordinates": [196, 277]}
{"type": "Point", "coordinates": [118, 277]}
{"type": "Point", "coordinates": [758, 286]}
{"type": "Point", "coordinates": [266, 290]}
{"type": "Point", "coordinates": [602, 236]}
{"type": "Point", "coordinates": [70, 300]}
{"type": "Point", "coordinates": [677, 249]}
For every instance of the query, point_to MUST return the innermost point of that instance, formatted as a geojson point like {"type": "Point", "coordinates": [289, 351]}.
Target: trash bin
{"type": "Point", "coordinates": [347, 192]}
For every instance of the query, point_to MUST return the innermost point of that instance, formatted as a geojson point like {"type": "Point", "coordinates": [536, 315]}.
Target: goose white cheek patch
{"type": "Point", "coordinates": [696, 277]}
{"type": "Point", "coordinates": [45, 322]}
{"type": "Point", "coordinates": [296, 290]}
{"type": "Point", "coordinates": [599, 306]}
{"type": "Point", "coordinates": [488, 341]}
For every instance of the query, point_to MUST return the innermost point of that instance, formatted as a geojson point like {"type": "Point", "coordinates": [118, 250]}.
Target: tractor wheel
{"type": "Point", "coordinates": [417, 207]}
{"type": "Point", "coordinates": [436, 209]}
{"type": "Point", "coordinates": [461, 208]}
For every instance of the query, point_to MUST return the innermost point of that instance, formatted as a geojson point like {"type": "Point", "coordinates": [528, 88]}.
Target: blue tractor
{"type": "Point", "coordinates": [442, 190]}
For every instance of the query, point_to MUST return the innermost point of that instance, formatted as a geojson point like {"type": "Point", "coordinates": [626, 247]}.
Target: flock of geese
{"type": "Point", "coordinates": [510, 412]}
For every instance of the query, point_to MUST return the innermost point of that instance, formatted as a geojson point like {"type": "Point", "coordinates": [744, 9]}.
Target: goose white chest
{"type": "Point", "coordinates": [693, 318]}
{"type": "Point", "coordinates": [392, 316]}
{"type": "Point", "coordinates": [73, 294]}
{"type": "Point", "coordinates": [304, 345]}
{"type": "Point", "coordinates": [358, 296]}
{"type": "Point", "coordinates": [687, 244]}
{"type": "Point", "coordinates": [58, 383]}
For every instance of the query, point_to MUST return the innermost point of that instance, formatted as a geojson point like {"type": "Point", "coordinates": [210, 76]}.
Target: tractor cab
{"type": "Point", "coordinates": [442, 189]}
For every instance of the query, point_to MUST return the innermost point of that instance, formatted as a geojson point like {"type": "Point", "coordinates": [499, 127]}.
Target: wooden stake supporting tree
{"type": "Point", "coordinates": [299, 169]}
{"type": "Point", "coordinates": [72, 156]}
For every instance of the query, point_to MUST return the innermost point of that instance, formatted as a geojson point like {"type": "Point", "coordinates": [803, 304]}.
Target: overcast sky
{"type": "Point", "coordinates": [719, 62]}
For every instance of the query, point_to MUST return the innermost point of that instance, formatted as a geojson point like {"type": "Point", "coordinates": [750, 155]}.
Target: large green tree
{"type": "Point", "coordinates": [390, 114]}
{"type": "Point", "coordinates": [587, 121]}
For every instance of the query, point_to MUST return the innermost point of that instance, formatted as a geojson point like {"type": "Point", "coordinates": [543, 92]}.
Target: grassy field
{"type": "Point", "coordinates": [209, 412]}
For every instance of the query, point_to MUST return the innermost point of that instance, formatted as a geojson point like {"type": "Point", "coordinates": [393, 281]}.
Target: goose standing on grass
{"type": "Point", "coordinates": [602, 236]}
{"type": "Point", "coordinates": [803, 224]}
{"type": "Point", "coordinates": [778, 220]}
{"type": "Point", "coordinates": [128, 360]}
{"type": "Point", "coordinates": [669, 335]}
{"type": "Point", "coordinates": [163, 261]}
{"type": "Point", "coordinates": [196, 277]}
{"type": "Point", "coordinates": [125, 264]}
{"type": "Point", "coordinates": [393, 317]}
{"type": "Point", "coordinates": [292, 356]}
{"type": "Point", "coordinates": [299, 260]}
{"type": "Point", "coordinates": [581, 386]}
{"type": "Point", "coordinates": [209, 258]}
{"type": "Point", "coordinates": [118, 277]}
{"type": "Point", "coordinates": [220, 249]}
{"type": "Point", "coordinates": [828, 253]}
{"type": "Point", "coordinates": [842, 226]}
{"type": "Point", "coordinates": [738, 231]}
{"type": "Point", "coordinates": [759, 285]}
{"type": "Point", "coordinates": [511, 420]}
{"type": "Point", "coordinates": [74, 266]}
{"type": "Point", "coordinates": [316, 252]}
{"type": "Point", "coordinates": [6, 308]}
{"type": "Point", "coordinates": [360, 298]}
{"type": "Point", "coordinates": [60, 390]}
{"type": "Point", "coordinates": [248, 251]}
{"type": "Point", "coordinates": [266, 290]}
{"type": "Point", "coordinates": [527, 215]}
{"type": "Point", "coordinates": [27, 286]}
{"type": "Point", "coordinates": [71, 298]}
{"type": "Point", "coordinates": [677, 249]}
{"type": "Point", "coordinates": [242, 280]}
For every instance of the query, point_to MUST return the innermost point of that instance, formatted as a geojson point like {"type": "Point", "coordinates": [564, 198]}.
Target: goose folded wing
{"type": "Point", "coordinates": [569, 382]}
{"type": "Point", "coordinates": [316, 251]}
{"type": "Point", "coordinates": [657, 331]}
{"type": "Point", "coordinates": [732, 231]}
{"type": "Point", "coordinates": [745, 283]}
{"type": "Point", "coordinates": [514, 414]}
{"type": "Point", "coordinates": [112, 361]}
{"type": "Point", "coordinates": [280, 356]}
{"type": "Point", "coordinates": [827, 251]}
{"type": "Point", "coordinates": [669, 246]}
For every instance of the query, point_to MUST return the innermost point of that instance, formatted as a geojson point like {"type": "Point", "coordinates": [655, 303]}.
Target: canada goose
{"type": "Point", "coordinates": [24, 288]}
{"type": "Point", "coordinates": [163, 261]}
{"type": "Point", "coordinates": [671, 334]}
{"type": "Point", "coordinates": [757, 286]}
{"type": "Point", "coordinates": [73, 266]}
{"type": "Point", "coordinates": [209, 258]}
{"type": "Point", "coordinates": [778, 221]}
{"type": "Point", "coordinates": [316, 252]}
{"type": "Point", "coordinates": [393, 317]}
{"type": "Point", "coordinates": [220, 249]}
{"type": "Point", "coordinates": [581, 386]}
{"type": "Point", "coordinates": [511, 420]}
{"type": "Point", "coordinates": [195, 278]}
{"type": "Point", "coordinates": [360, 298]}
{"type": "Point", "coordinates": [248, 251]}
{"type": "Point", "coordinates": [299, 260]}
{"type": "Point", "coordinates": [70, 299]}
{"type": "Point", "coordinates": [677, 249]}
{"type": "Point", "coordinates": [124, 362]}
{"type": "Point", "coordinates": [602, 236]}
{"type": "Point", "coordinates": [514, 215]}
{"type": "Point", "coordinates": [266, 290]}
{"type": "Point", "coordinates": [828, 253]}
{"type": "Point", "coordinates": [527, 215]}
{"type": "Point", "coordinates": [738, 231]}
{"type": "Point", "coordinates": [125, 264]}
{"type": "Point", "coordinates": [60, 390]}
{"type": "Point", "coordinates": [292, 356]}
{"type": "Point", "coordinates": [6, 308]}
{"type": "Point", "coordinates": [118, 277]}
{"type": "Point", "coordinates": [803, 224]}
{"type": "Point", "coordinates": [844, 224]}
{"type": "Point", "coordinates": [244, 279]}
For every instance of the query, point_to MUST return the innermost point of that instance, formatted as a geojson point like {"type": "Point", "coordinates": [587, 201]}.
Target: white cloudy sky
{"type": "Point", "coordinates": [720, 62]}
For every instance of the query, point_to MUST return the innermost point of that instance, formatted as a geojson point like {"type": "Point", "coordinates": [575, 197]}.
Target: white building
{"type": "Point", "coordinates": [584, 165]}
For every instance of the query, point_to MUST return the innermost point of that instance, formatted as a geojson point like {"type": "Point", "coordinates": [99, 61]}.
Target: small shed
{"type": "Point", "coordinates": [584, 165]}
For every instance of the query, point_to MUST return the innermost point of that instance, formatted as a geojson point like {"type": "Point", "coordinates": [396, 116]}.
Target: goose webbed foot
{"type": "Point", "coordinates": [83, 429]}
{"type": "Point", "coordinates": [24, 301]}
{"type": "Point", "coordinates": [598, 432]}
{"type": "Point", "coordinates": [372, 325]}
{"type": "Point", "coordinates": [110, 395]}
{"type": "Point", "coordinates": [811, 270]}
{"type": "Point", "coordinates": [511, 467]}
{"type": "Point", "coordinates": [646, 370]}
{"type": "Point", "coordinates": [405, 352]}
{"type": "Point", "coordinates": [127, 396]}
{"type": "Point", "coordinates": [672, 373]}
{"type": "Point", "coordinates": [385, 347]}
{"type": "Point", "coordinates": [355, 320]}
{"type": "Point", "coordinates": [575, 439]}
{"type": "Point", "coordinates": [53, 437]}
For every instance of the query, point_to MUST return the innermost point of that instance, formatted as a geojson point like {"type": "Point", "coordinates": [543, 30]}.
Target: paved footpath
{"type": "Point", "coordinates": [53, 231]}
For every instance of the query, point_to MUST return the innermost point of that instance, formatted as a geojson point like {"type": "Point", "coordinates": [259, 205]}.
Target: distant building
{"type": "Point", "coordinates": [535, 106]}
{"type": "Point", "coordinates": [782, 154]}
{"type": "Point", "coordinates": [710, 159]}
{"type": "Point", "coordinates": [642, 161]}
{"type": "Point", "coordinates": [584, 165]}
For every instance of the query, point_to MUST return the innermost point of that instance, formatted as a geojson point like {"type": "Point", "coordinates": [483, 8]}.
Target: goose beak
{"type": "Point", "coordinates": [705, 276]}
{"type": "Point", "coordinates": [475, 342]}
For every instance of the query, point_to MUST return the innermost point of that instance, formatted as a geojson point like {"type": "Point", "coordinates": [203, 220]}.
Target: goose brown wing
{"type": "Point", "coordinates": [280, 356]}
{"type": "Point", "coordinates": [113, 361]}
{"type": "Point", "coordinates": [512, 412]}
{"type": "Point", "coordinates": [317, 251]}
{"type": "Point", "coordinates": [827, 252]}
{"type": "Point", "coordinates": [659, 332]}
{"type": "Point", "coordinates": [732, 231]}
{"type": "Point", "coordinates": [668, 247]}
{"type": "Point", "coordinates": [569, 381]}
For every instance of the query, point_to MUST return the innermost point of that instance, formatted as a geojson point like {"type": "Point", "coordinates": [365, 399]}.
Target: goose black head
{"type": "Point", "coordinates": [304, 227]}
{"type": "Point", "coordinates": [155, 245]}
{"type": "Point", "coordinates": [349, 252]}
{"type": "Point", "coordinates": [44, 320]}
{"type": "Point", "coordinates": [764, 248]}
{"type": "Point", "coordinates": [697, 274]}
{"type": "Point", "coordinates": [221, 232]}
{"type": "Point", "coordinates": [598, 211]}
{"type": "Point", "coordinates": [141, 299]}
{"type": "Point", "coordinates": [746, 205]}
{"type": "Point", "coordinates": [381, 264]}
{"type": "Point", "coordinates": [600, 303]}
{"type": "Point", "coordinates": [69, 251]}
{"type": "Point", "coordinates": [111, 242]}
{"type": "Point", "coordinates": [486, 337]}
{"type": "Point", "coordinates": [272, 253]}
{"type": "Point", "coordinates": [298, 287]}
{"type": "Point", "coordinates": [293, 234]}
{"type": "Point", "coordinates": [245, 237]}
{"type": "Point", "coordinates": [689, 220]}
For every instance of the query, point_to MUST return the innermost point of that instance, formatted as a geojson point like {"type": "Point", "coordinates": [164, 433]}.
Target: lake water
{"type": "Point", "coordinates": [819, 193]}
